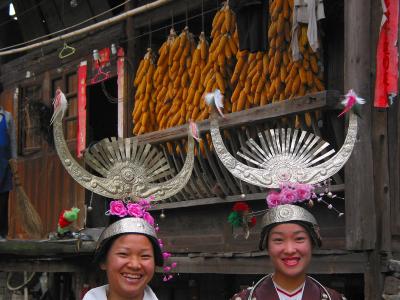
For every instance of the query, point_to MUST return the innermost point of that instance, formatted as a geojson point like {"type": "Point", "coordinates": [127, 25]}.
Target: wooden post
{"type": "Point", "coordinates": [380, 147]}
{"type": "Point", "coordinates": [359, 190]}
{"type": "Point", "coordinates": [131, 63]}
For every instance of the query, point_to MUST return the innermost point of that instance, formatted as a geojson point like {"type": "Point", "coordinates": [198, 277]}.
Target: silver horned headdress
{"type": "Point", "coordinates": [285, 156]}
{"type": "Point", "coordinates": [127, 169]}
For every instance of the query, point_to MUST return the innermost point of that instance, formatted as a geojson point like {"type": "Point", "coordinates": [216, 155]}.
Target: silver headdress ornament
{"type": "Point", "coordinates": [128, 169]}
{"type": "Point", "coordinates": [127, 225]}
{"type": "Point", "coordinates": [285, 156]}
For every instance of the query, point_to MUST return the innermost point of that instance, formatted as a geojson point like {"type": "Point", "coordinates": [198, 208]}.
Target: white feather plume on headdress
{"type": "Point", "coordinates": [60, 105]}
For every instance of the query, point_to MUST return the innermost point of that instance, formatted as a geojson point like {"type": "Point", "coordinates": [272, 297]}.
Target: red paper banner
{"type": "Point", "coordinates": [387, 61]}
{"type": "Point", "coordinates": [81, 134]}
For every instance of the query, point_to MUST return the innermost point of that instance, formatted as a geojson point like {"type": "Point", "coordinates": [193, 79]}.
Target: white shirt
{"type": "Point", "coordinates": [100, 293]}
{"type": "Point", "coordinates": [286, 295]}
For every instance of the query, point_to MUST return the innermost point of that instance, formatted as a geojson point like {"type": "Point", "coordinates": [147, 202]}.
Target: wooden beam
{"type": "Point", "coordinates": [320, 100]}
{"type": "Point", "coordinates": [217, 200]}
{"type": "Point", "coordinates": [359, 191]}
{"type": "Point", "coordinates": [70, 265]}
{"type": "Point", "coordinates": [46, 248]}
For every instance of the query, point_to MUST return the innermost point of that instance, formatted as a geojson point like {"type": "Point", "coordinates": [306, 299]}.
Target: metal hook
{"type": "Point", "coordinates": [66, 51]}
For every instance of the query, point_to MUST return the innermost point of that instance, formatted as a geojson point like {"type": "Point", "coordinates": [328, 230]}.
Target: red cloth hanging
{"type": "Point", "coordinates": [387, 74]}
{"type": "Point", "coordinates": [81, 132]}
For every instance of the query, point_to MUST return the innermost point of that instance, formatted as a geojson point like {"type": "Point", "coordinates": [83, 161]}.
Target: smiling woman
{"type": "Point", "coordinates": [128, 251]}
{"type": "Point", "coordinates": [289, 233]}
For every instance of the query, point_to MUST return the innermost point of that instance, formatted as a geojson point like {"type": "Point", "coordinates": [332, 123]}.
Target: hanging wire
{"type": "Point", "coordinates": [111, 99]}
{"type": "Point", "coordinates": [150, 33]}
{"type": "Point", "coordinates": [187, 14]}
{"type": "Point", "coordinates": [70, 66]}
{"type": "Point", "coordinates": [172, 19]}
{"type": "Point", "coordinates": [202, 16]}
{"type": "Point", "coordinates": [64, 29]}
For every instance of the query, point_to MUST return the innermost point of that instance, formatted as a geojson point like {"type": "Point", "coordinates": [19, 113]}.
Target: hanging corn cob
{"type": "Point", "coordinates": [180, 58]}
{"type": "Point", "coordinates": [196, 89]}
{"type": "Point", "coordinates": [144, 105]}
{"type": "Point", "coordinates": [163, 83]}
{"type": "Point", "coordinates": [224, 46]}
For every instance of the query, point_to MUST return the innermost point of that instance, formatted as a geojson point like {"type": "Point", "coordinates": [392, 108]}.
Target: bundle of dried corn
{"type": "Point", "coordinates": [144, 109]}
{"type": "Point", "coordinates": [162, 81]}
{"type": "Point", "coordinates": [180, 58]}
{"type": "Point", "coordinates": [224, 46]}
{"type": "Point", "coordinates": [196, 89]}
{"type": "Point", "coordinates": [250, 80]}
{"type": "Point", "coordinates": [279, 37]}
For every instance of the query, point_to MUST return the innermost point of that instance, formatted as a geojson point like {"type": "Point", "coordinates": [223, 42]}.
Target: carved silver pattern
{"type": "Point", "coordinates": [127, 169]}
{"type": "Point", "coordinates": [287, 213]}
{"type": "Point", "coordinates": [127, 225]}
{"type": "Point", "coordinates": [285, 156]}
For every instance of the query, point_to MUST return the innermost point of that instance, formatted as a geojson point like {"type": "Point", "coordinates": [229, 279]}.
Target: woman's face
{"type": "Point", "coordinates": [290, 248]}
{"type": "Point", "coordinates": [130, 266]}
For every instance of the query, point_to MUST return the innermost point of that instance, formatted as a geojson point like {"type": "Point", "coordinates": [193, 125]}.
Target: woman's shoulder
{"type": "Point", "coordinates": [335, 295]}
{"type": "Point", "coordinates": [259, 291]}
{"type": "Point", "coordinates": [242, 295]}
{"type": "Point", "coordinates": [98, 293]}
{"type": "Point", "coordinates": [325, 292]}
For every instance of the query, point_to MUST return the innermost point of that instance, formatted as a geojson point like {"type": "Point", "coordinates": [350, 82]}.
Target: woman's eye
{"type": "Point", "coordinates": [146, 256]}
{"type": "Point", "coordinates": [277, 240]}
{"type": "Point", "coordinates": [300, 239]}
{"type": "Point", "coordinates": [122, 254]}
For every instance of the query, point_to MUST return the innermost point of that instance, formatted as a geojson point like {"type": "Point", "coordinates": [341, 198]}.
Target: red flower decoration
{"type": "Point", "coordinates": [252, 222]}
{"type": "Point", "coordinates": [241, 206]}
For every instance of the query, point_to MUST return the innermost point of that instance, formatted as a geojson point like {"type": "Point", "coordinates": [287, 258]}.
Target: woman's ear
{"type": "Point", "coordinates": [103, 266]}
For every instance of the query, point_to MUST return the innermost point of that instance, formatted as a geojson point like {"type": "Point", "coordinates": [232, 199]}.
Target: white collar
{"type": "Point", "coordinates": [100, 293]}
{"type": "Point", "coordinates": [296, 294]}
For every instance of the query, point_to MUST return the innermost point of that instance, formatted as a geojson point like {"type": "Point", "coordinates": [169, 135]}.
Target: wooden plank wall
{"type": "Point", "coordinates": [50, 189]}
{"type": "Point", "coordinates": [206, 229]}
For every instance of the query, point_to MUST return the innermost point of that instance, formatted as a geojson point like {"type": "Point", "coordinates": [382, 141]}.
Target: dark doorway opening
{"type": "Point", "coordinates": [102, 122]}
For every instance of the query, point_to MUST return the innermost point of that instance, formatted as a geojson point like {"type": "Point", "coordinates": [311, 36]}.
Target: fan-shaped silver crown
{"type": "Point", "coordinates": [125, 161]}
{"type": "Point", "coordinates": [285, 152]}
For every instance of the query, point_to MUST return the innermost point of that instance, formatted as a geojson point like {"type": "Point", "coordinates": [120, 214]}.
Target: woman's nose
{"type": "Point", "coordinates": [289, 247]}
{"type": "Point", "coordinates": [134, 263]}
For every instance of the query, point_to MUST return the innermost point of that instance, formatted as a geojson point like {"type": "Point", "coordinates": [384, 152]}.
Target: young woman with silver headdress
{"type": "Point", "coordinates": [289, 233]}
{"type": "Point", "coordinates": [128, 250]}
{"type": "Point", "coordinates": [286, 157]}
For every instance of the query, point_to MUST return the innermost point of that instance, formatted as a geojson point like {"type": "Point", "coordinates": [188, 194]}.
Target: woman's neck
{"type": "Point", "coordinates": [114, 296]}
{"type": "Point", "coordinates": [288, 283]}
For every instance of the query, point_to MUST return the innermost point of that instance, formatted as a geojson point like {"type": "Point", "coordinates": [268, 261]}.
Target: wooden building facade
{"type": "Point", "coordinates": [212, 263]}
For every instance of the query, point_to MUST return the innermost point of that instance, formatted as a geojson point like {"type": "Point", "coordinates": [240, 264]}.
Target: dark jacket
{"type": "Point", "coordinates": [265, 290]}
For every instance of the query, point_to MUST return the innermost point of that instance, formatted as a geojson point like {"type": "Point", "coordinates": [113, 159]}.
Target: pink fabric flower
{"type": "Point", "coordinates": [117, 208]}
{"type": "Point", "coordinates": [304, 191]}
{"type": "Point", "coordinates": [166, 255]}
{"type": "Point", "coordinates": [148, 218]}
{"type": "Point", "coordinates": [288, 196]}
{"type": "Point", "coordinates": [174, 264]}
{"type": "Point", "coordinates": [135, 210]}
{"type": "Point", "coordinates": [167, 269]}
{"type": "Point", "coordinates": [144, 203]}
{"type": "Point", "coordinates": [273, 199]}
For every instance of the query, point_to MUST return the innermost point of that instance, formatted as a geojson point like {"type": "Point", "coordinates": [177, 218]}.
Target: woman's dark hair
{"type": "Point", "coordinates": [315, 240]}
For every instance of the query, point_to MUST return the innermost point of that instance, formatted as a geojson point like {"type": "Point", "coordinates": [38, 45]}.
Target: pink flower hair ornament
{"type": "Point", "coordinates": [139, 209]}
{"type": "Point", "coordinates": [291, 193]}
